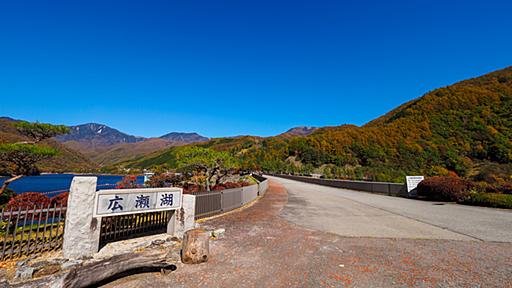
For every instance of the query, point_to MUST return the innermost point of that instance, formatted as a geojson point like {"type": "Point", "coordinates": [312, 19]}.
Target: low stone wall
{"type": "Point", "coordinates": [387, 188]}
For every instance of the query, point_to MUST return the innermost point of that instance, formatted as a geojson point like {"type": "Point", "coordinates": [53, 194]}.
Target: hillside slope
{"type": "Point", "coordinates": [67, 159]}
{"type": "Point", "coordinates": [127, 151]}
{"type": "Point", "coordinates": [465, 128]}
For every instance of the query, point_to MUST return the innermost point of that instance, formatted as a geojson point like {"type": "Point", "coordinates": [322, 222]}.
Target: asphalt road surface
{"type": "Point", "coordinates": [360, 214]}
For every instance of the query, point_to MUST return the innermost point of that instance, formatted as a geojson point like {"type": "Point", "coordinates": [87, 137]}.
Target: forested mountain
{"type": "Point", "coordinates": [463, 129]}
{"type": "Point", "coordinates": [67, 160]}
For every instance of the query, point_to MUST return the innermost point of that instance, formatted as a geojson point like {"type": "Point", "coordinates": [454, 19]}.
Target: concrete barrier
{"type": "Point", "coordinates": [387, 188]}
{"type": "Point", "coordinates": [249, 193]}
{"type": "Point", "coordinates": [216, 202]}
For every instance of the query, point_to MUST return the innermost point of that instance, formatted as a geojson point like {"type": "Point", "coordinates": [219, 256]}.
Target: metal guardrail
{"type": "Point", "coordinates": [387, 188]}
{"type": "Point", "coordinates": [31, 230]}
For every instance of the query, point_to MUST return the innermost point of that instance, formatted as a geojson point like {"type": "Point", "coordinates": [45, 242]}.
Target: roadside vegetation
{"type": "Point", "coordinates": [196, 169]}
{"type": "Point", "coordinates": [464, 192]}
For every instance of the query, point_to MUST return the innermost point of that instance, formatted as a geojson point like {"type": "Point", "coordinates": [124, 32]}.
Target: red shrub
{"type": "Point", "coordinates": [218, 187]}
{"type": "Point", "coordinates": [128, 182]}
{"type": "Point", "coordinates": [444, 188]}
{"type": "Point", "coordinates": [506, 189]}
{"type": "Point", "coordinates": [28, 200]}
{"type": "Point", "coordinates": [230, 185]}
{"type": "Point", "coordinates": [60, 200]}
{"type": "Point", "coordinates": [244, 184]}
{"type": "Point", "coordinates": [192, 188]}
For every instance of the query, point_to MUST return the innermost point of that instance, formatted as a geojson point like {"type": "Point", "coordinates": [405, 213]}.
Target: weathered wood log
{"type": "Point", "coordinates": [94, 273]}
{"type": "Point", "coordinates": [195, 247]}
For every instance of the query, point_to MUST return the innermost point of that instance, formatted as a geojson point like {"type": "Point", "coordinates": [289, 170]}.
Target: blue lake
{"type": "Point", "coordinates": [54, 184]}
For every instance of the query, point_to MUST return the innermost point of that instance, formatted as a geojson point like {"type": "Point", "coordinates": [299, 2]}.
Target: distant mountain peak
{"type": "Point", "coordinates": [300, 131]}
{"type": "Point", "coordinates": [100, 133]}
{"type": "Point", "coordinates": [184, 137]}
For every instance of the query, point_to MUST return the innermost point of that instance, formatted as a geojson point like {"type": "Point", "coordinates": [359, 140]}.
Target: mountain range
{"type": "Point", "coordinates": [105, 145]}
{"type": "Point", "coordinates": [92, 145]}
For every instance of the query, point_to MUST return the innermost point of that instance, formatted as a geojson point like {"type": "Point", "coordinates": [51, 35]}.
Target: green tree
{"type": "Point", "coordinates": [20, 158]}
{"type": "Point", "coordinates": [211, 162]}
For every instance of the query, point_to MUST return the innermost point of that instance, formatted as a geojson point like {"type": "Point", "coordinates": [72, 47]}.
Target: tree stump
{"type": "Point", "coordinates": [195, 247]}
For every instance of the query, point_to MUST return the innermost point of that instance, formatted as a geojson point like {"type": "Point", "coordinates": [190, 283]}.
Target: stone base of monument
{"type": "Point", "coordinates": [152, 253]}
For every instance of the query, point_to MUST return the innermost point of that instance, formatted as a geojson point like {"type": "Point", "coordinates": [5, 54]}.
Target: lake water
{"type": "Point", "coordinates": [54, 184]}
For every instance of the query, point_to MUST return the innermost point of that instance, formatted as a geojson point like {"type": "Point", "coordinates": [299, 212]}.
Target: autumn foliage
{"type": "Point", "coordinates": [230, 185]}
{"type": "Point", "coordinates": [444, 188]}
{"type": "Point", "coordinates": [28, 200]}
{"type": "Point", "coordinates": [60, 200]}
{"type": "Point", "coordinates": [128, 182]}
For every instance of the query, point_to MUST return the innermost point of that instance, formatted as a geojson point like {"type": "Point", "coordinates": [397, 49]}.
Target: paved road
{"type": "Point", "coordinates": [352, 213]}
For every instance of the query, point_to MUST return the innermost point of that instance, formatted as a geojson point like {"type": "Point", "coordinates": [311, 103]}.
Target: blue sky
{"type": "Point", "coordinates": [224, 68]}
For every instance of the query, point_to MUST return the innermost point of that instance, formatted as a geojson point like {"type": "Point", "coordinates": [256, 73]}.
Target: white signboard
{"type": "Point", "coordinates": [413, 181]}
{"type": "Point", "coordinates": [130, 201]}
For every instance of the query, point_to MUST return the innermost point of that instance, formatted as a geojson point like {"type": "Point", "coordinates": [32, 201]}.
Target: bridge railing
{"type": "Point", "coordinates": [387, 188]}
{"type": "Point", "coordinates": [216, 202]}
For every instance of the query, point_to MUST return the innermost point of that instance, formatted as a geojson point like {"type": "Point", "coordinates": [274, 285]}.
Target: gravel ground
{"type": "Point", "coordinates": [262, 249]}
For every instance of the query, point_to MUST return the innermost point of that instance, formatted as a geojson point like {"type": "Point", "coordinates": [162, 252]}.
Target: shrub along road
{"type": "Point", "coordinates": [262, 248]}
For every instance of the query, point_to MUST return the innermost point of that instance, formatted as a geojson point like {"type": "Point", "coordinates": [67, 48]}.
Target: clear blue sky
{"type": "Point", "coordinates": [225, 68]}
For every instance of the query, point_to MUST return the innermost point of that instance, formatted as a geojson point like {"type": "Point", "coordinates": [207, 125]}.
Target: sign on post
{"type": "Point", "coordinates": [413, 181]}
{"type": "Point", "coordinates": [131, 201]}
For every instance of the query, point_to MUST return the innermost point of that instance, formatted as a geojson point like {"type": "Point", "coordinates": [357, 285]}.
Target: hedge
{"type": "Point", "coordinates": [444, 188]}
{"type": "Point", "coordinates": [495, 200]}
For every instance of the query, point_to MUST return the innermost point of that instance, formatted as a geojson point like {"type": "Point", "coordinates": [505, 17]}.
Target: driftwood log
{"type": "Point", "coordinates": [195, 247]}
{"type": "Point", "coordinates": [159, 258]}
{"type": "Point", "coordinates": [118, 266]}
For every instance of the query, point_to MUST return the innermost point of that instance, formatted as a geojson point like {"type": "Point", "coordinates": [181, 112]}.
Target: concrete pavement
{"type": "Point", "coordinates": [360, 214]}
